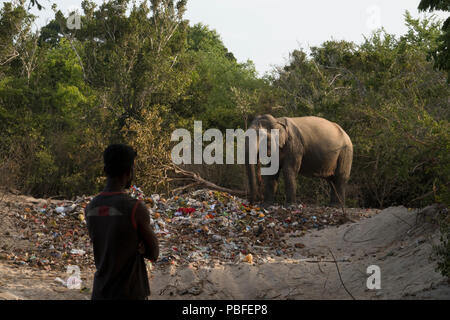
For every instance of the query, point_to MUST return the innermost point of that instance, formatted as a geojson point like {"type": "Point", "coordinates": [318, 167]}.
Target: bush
{"type": "Point", "coordinates": [150, 136]}
{"type": "Point", "coordinates": [442, 251]}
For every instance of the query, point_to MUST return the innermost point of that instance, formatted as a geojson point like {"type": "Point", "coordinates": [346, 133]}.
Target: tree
{"type": "Point", "coordinates": [36, 3]}
{"type": "Point", "coordinates": [135, 60]}
{"type": "Point", "coordinates": [15, 30]}
{"type": "Point", "coordinates": [440, 54]}
{"type": "Point", "coordinates": [215, 72]}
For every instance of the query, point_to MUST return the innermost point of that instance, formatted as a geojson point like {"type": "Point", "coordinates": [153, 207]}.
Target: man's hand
{"type": "Point", "coordinates": [149, 247]}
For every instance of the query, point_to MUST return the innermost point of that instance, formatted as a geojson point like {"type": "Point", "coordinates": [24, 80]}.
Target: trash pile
{"type": "Point", "coordinates": [207, 226]}
{"type": "Point", "coordinates": [56, 233]}
{"type": "Point", "coordinates": [200, 227]}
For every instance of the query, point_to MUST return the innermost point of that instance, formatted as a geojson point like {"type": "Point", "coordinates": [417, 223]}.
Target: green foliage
{"type": "Point", "coordinates": [47, 118]}
{"type": "Point", "coordinates": [441, 51]}
{"type": "Point", "coordinates": [442, 250]}
{"type": "Point", "coordinates": [136, 59]}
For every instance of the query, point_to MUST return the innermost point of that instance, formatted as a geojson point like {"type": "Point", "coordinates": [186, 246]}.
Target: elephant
{"type": "Point", "coordinates": [310, 146]}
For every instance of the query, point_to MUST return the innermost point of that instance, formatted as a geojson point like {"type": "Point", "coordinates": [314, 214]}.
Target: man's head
{"type": "Point", "coordinates": [119, 163]}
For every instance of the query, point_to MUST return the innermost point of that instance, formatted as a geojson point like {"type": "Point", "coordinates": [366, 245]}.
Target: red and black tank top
{"type": "Point", "coordinates": [121, 271]}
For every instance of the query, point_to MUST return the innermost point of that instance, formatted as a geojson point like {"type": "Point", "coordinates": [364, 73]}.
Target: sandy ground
{"type": "Point", "coordinates": [397, 240]}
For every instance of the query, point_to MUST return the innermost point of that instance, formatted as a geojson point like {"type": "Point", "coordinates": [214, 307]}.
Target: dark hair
{"type": "Point", "coordinates": [118, 159]}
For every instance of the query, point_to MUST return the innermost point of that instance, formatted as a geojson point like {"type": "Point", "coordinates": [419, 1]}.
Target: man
{"type": "Point", "coordinates": [119, 228]}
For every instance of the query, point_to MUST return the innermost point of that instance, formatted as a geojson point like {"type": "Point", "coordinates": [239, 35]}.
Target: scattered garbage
{"type": "Point", "coordinates": [77, 252]}
{"type": "Point", "coordinates": [136, 193]}
{"type": "Point", "coordinates": [206, 226]}
{"type": "Point", "coordinates": [71, 283]}
{"type": "Point", "coordinates": [248, 258]}
{"type": "Point", "coordinates": [59, 209]}
{"type": "Point", "coordinates": [200, 227]}
{"type": "Point", "coordinates": [56, 232]}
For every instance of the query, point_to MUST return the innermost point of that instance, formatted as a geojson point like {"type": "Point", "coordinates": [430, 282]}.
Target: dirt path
{"type": "Point", "coordinates": [392, 240]}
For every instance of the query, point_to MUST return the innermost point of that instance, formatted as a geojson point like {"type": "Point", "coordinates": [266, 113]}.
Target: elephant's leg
{"type": "Point", "coordinates": [270, 187]}
{"type": "Point", "coordinates": [290, 181]}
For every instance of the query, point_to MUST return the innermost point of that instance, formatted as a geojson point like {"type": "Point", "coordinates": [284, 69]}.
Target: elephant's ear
{"type": "Point", "coordinates": [284, 132]}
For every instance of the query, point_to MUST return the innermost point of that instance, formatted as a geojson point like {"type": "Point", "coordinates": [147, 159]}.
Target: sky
{"type": "Point", "coordinates": [266, 31]}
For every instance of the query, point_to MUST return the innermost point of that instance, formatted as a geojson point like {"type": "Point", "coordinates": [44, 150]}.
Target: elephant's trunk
{"type": "Point", "coordinates": [252, 182]}
{"type": "Point", "coordinates": [252, 174]}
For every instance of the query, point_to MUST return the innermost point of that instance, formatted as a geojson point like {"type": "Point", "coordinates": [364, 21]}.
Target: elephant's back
{"type": "Point", "coordinates": [313, 121]}
{"type": "Point", "coordinates": [322, 142]}
{"type": "Point", "coordinates": [313, 127]}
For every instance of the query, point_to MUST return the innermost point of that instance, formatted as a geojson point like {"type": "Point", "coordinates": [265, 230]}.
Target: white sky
{"type": "Point", "coordinates": [265, 31]}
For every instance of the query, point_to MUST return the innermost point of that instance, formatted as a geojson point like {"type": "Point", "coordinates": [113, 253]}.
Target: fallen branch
{"type": "Point", "coordinates": [339, 273]}
{"type": "Point", "coordinates": [186, 187]}
{"type": "Point", "coordinates": [324, 261]}
{"type": "Point", "coordinates": [200, 181]}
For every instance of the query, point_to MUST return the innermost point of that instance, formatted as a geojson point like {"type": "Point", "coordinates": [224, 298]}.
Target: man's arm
{"type": "Point", "coordinates": [151, 244]}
